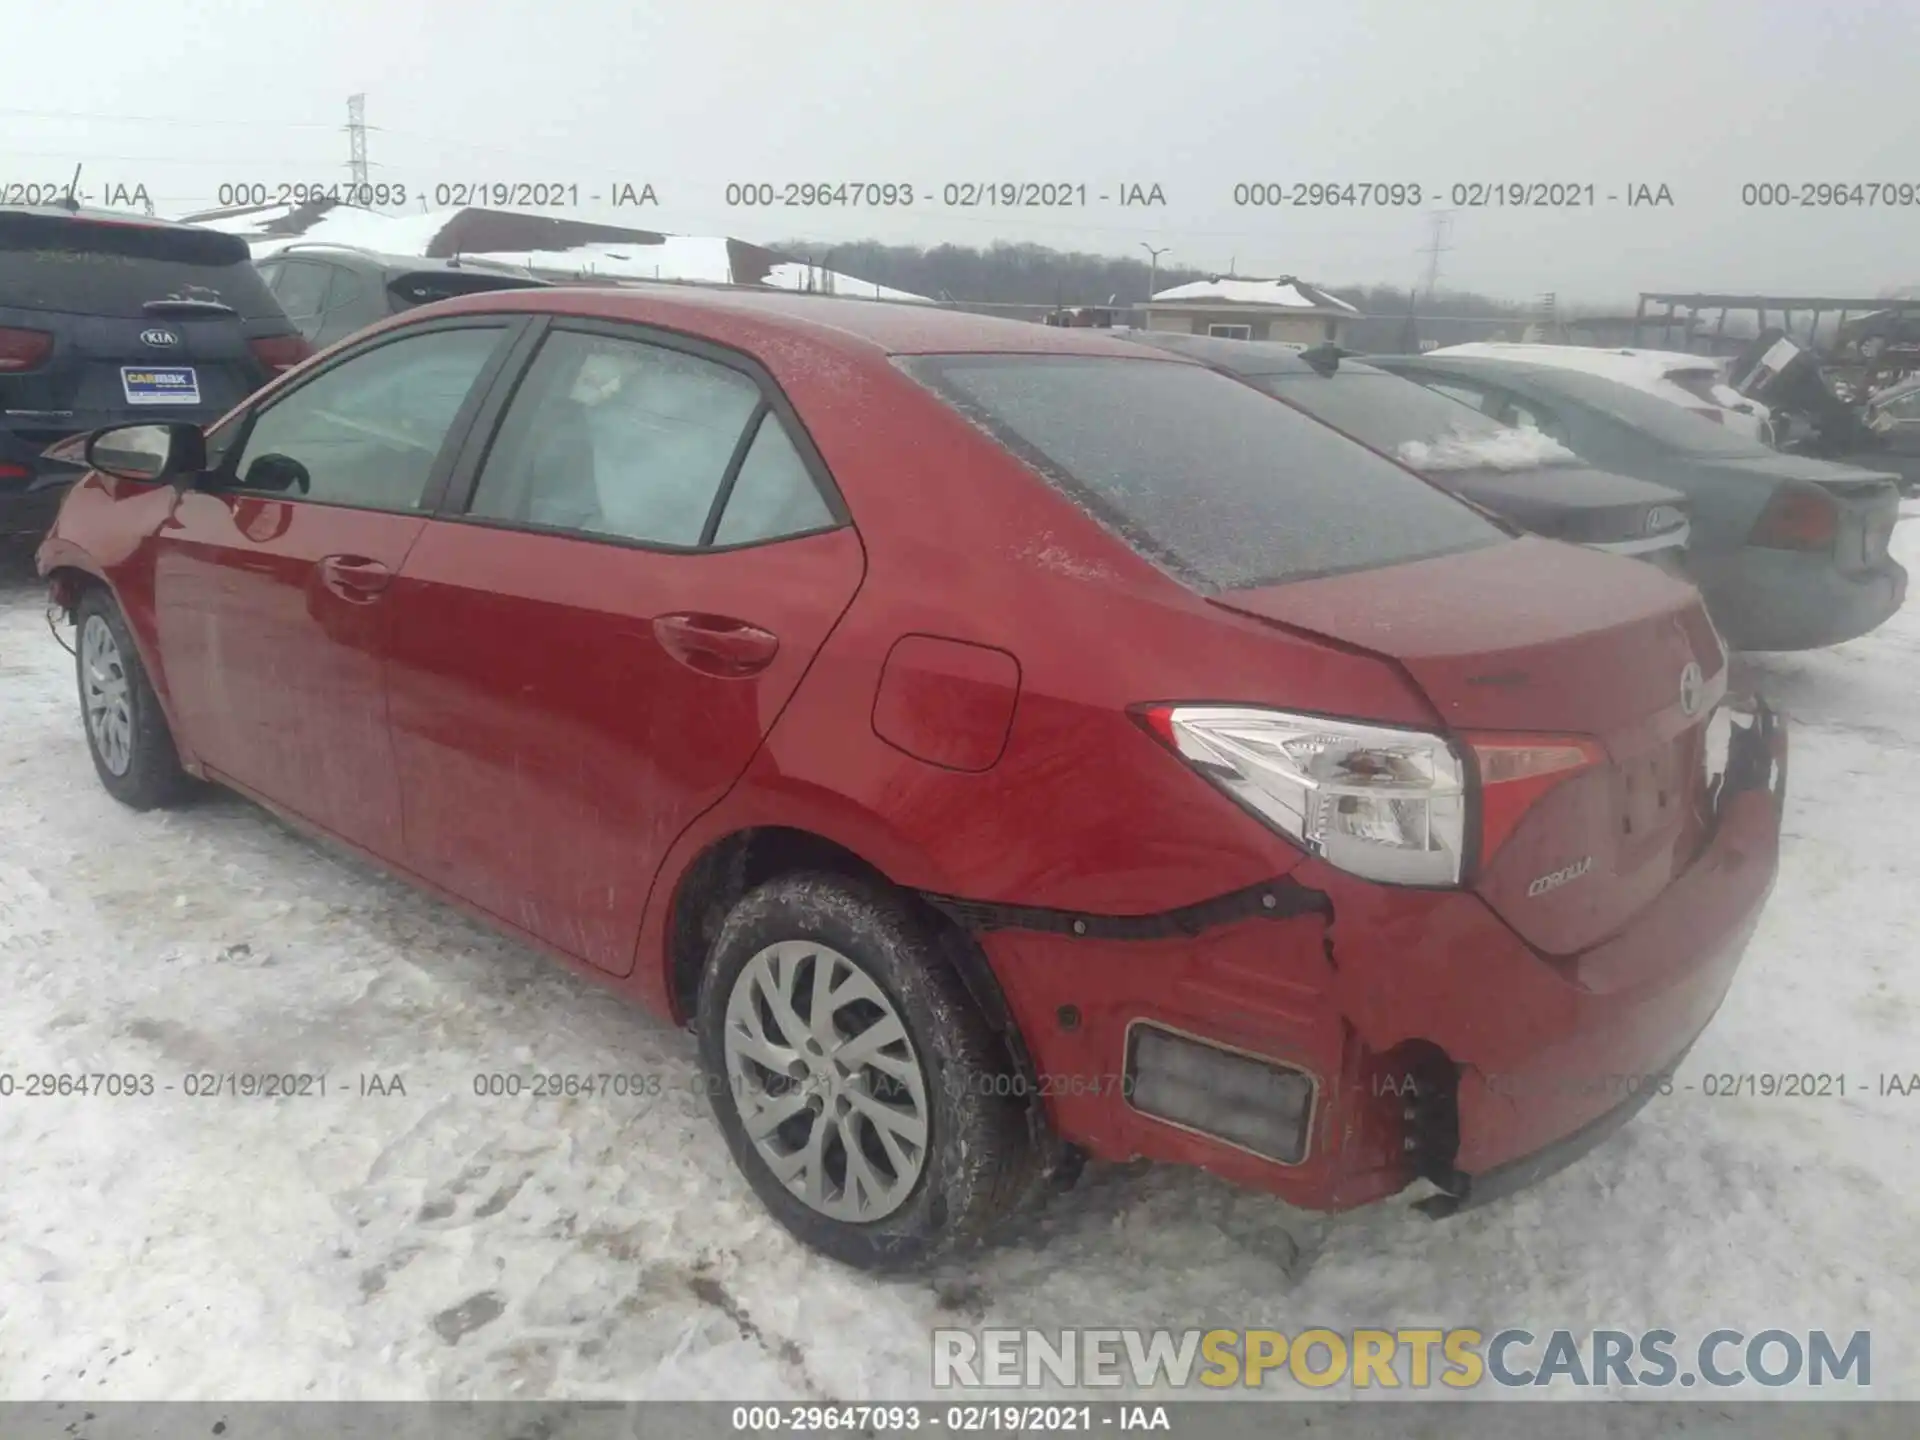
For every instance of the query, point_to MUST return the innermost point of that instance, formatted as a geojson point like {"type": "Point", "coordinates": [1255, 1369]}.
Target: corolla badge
{"type": "Point", "coordinates": [1565, 875]}
{"type": "Point", "coordinates": [1693, 687]}
{"type": "Point", "coordinates": [159, 338]}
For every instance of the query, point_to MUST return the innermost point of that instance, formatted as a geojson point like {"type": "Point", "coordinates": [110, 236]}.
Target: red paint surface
{"type": "Point", "coordinates": [546, 730]}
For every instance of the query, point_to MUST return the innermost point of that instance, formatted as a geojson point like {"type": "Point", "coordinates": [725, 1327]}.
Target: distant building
{"type": "Point", "coordinates": [1237, 308]}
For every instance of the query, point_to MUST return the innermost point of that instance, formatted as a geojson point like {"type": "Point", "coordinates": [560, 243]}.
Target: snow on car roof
{"type": "Point", "coordinates": [1613, 363]}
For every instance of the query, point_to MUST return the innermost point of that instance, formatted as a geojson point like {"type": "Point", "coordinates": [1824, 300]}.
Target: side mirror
{"type": "Point", "coordinates": [277, 474]}
{"type": "Point", "coordinates": [148, 452]}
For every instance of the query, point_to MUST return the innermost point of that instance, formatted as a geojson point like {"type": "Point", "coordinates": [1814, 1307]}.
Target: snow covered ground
{"type": "Point", "coordinates": [436, 1244]}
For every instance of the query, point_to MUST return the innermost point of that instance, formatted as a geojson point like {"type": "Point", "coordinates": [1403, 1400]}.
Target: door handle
{"type": "Point", "coordinates": [354, 577]}
{"type": "Point", "coordinates": [716, 644]}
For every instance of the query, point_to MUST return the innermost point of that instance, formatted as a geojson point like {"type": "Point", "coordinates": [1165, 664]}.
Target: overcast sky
{"type": "Point", "coordinates": [1196, 97]}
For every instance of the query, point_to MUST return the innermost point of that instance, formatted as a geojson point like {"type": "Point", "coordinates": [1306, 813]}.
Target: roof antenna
{"type": "Point", "coordinates": [1324, 358]}
{"type": "Point", "coordinates": [73, 191]}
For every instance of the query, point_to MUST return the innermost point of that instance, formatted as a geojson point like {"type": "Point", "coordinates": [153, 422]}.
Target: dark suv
{"type": "Point", "coordinates": [330, 291]}
{"type": "Point", "coordinates": [107, 319]}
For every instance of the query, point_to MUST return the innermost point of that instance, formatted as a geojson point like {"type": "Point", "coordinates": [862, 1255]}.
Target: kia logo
{"type": "Point", "coordinates": [159, 337]}
{"type": "Point", "coordinates": [1692, 683]}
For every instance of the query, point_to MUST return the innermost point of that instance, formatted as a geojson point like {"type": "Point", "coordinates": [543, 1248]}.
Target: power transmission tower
{"type": "Point", "coordinates": [357, 141]}
{"type": "Point", "coordinates": [1442, 221]}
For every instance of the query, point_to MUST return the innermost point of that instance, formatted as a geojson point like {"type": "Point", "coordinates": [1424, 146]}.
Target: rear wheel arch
{"type": "Point", "coordinates": [734, 865]}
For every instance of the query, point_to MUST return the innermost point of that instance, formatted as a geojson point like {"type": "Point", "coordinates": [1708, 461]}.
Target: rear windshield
{"type": "Point", "coordinates": [1383, 410]}
{"type": "Point", "coordinates": [1660, 420]}
{"type": "Point", "coordinates": [1201, 473]}
{"type": "Point", "coordinates": [88, 267]}
{"type": "Point", "coordinates": [423, 287]}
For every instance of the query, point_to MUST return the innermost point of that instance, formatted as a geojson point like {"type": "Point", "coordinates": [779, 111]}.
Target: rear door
{"type": "Point", "coordinates": [271, 576]}
{"type": "Point", "coordinates": [636, 565]}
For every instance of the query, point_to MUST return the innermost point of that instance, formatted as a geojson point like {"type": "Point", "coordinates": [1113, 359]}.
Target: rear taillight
{"type": "Point", "coordinates": [1797, 520]}
{"type": "Point", "coordinates": [1385, 804]}
{"type": "Point", "coordinates": [11, 474]}
{"type": "Point", "coordinates": [280, 353]}
{"type": "Point", "coordinates": [1516, 771]}
{"type": "Point", "coordinates": [23, 349]}
{"type": "Point", "coordinates": [1709, 413]}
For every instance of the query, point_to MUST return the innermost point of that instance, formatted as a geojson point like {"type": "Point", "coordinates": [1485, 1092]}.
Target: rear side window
{"type": "Point", "coordinates": [773, 496]}
{"type": "Point", "coordinates": [86, 267]}
{"type": "Point", "coordinates": [616, 437]}
{"type": "Point", "coordinates": [1202, 473]}
{"type": "Point", "coordinates": [423, 287]}
{"type": "Point", "coordinates": [1383, 410]}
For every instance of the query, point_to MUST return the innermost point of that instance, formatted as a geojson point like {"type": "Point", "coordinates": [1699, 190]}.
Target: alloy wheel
{"type": "Point", "coordinates": [107, 695]}
{"type": "Point", "coordinates": [826, 1081]}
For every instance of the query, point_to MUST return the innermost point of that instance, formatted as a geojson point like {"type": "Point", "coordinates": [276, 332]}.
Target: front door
{"type": "Point", "coordinates": [588, 657]}
{"type": "Point", "coordinates": [271, 577]}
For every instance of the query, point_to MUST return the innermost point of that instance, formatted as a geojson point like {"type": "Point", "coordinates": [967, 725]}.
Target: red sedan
{"type": "Point", "coordinates": [1002, 743]}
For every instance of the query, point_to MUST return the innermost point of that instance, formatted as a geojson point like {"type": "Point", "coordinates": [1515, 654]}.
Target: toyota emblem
{"type": "Point", "coordinates": [1692, 683]}
{"type": "Point", "coordinates": [159, 337]}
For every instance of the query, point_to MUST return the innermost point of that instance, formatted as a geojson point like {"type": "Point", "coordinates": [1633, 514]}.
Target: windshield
{"type": "Point", "coordinates": [1203, 473]}
{"type": "Point", "coordinates": [1422, 427]}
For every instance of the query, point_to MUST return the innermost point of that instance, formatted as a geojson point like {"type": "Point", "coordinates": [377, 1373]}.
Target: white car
{"type": "Point", "coordinates": [1694, 382]}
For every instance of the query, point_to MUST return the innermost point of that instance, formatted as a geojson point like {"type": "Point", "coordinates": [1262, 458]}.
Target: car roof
{"type": "Point", "coordinates": [98, 216]}
{"type": "Point", "coordinates": [1242, 357]}
{"type": "Point", "coordinates": [344, 253]}
{"type": "Point", "coordinates": [891, 327]}
{"type": "Point", "coordinates": [1594, 359]}
{"type": "Point", "coordinates": [1575, 385]}
{"type": "Point", "coordinates": [217, 246]}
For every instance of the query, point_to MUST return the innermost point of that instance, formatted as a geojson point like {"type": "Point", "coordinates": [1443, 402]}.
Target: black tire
{"type": "Point", "coordinates": [978, 1160]}
{"type": "Point", "coordinates": [152, 777]}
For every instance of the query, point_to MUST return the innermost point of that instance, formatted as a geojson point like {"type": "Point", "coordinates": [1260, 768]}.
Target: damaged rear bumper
{"type": "Point", "coordinates": [1437, 1044]}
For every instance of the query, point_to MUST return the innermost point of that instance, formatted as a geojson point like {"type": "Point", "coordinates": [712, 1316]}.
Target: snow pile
{"type": "Point", "coordinates": [704, 259]}
{"type": "Point", "coordinates": [1507, 448]}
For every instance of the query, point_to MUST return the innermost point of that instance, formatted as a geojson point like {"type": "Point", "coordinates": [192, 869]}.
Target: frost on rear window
{"type": "Point", "coordinates": [1202, 474]}
{"type": "Point", "coordinates": [1507, 448]}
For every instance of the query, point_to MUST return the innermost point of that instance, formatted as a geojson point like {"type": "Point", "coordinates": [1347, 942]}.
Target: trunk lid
{"type": "Point", "coordinates": [1536, 638]}
{"type": "Point", "coordinates": [1868, 500]}
{"type": "Point", "coordinates": [1571, 502]}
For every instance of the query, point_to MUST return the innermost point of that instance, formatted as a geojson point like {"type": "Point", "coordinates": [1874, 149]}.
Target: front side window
{"type": "Point", "coordinates": [1202, 473]}
{"type": "Point", "coordinates": [616, 437]}
{"type": "Point", "coordinates": [367, 431]}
